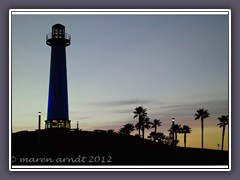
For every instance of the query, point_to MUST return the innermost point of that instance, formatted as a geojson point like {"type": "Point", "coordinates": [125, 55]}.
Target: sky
{"type": "Point", "coordinates": [172, 65]}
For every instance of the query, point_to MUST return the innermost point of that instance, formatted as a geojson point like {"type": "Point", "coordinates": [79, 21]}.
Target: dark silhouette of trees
{"type": "Point", "coordinates": [141, 113]}
{"type": "Point", "coordinates": [152, 136]}
{"type": "Point", "coordinates": [223, 123]}
{"type": "Point", "coordinates": [185, 130]}
{"type": "Point", "coordinates": [155, 124]}
{"type": "Point", "coordinates": [138, 127]}
{"type": "Point", "coordinates": [202, 114]}
{"type": "Point", "coordinates": [146, 124]}
{"type": "Point", "coordinates": [174, 130]}
{"type": "Point", "coordinates": [159, 137]}
{"type": "Point", "coordinates": [110, 131]}
{"type": "Point", "coordinates": [177, 129]}
{"type": "Point", "coordinates": [167, 140]}
{"type": "Point", "coordinates": [127, 129]}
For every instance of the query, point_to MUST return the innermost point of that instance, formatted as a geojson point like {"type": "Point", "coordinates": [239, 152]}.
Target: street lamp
{"type": "Point", "coordinates": [173, 130]}
{"type": "Point", "coordinates": [39, 126]}
{"type": "Point", "coordinates": [39, 121]}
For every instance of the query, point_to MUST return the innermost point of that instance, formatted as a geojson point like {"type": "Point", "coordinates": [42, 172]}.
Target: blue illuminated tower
{"type": "Point", "coordinates": [57, 114]}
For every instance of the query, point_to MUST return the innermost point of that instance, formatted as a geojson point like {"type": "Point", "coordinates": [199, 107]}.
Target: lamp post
{"type": "Point", "coordinates": [39, 121]}
{"type": "Point", "coordinates": [39, 126]}
{"type": "Point", "coordinates": [173, 130]}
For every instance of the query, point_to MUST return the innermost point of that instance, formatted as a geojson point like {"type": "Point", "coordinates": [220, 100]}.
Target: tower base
{"type": "Point", "coordinates": [58, 123]}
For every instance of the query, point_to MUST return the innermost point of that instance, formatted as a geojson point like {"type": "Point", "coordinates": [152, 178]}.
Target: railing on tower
{"type": "Point", "coordinates": [56, 38]}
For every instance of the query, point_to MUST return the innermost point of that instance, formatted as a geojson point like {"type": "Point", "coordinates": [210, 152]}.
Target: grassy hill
{"type": "Point", "coordinates": [98, 148]}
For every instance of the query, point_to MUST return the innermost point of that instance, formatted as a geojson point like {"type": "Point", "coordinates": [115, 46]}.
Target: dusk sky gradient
{"type": "Point", "coordinates": [170, 64]}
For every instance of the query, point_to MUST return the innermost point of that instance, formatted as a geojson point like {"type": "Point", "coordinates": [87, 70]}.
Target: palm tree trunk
{"type": "Point", "coordinates": [223, 132]}
{"type": "Point", "coordinates": [172, 135]}
{"type": "Point", "coordinates": [139, 130]}
{"type": "Point", "coordinates": [202, 130]}
{"type": "Point", "coordinates": [143, 132]}
{"type": "Point", "coordinates": [175, 143]}
{"type": "Point", "coordinates": [185, 139]}
{"type": "Point", "coordinates": [155, 129]}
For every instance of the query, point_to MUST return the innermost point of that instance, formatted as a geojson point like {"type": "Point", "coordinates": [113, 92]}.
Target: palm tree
{"type": "Point", "coordinates": [177, 129]}
{"type": "Point", "coordinates": [145, 125]}
{"type": "Point", "coordinates": [174, 130]}
{"type": "Point", "coordinates": [202, 114]}
{"type": "Point", "coordinates": [185, 130]}
{"type": "Point", "coordinates": [127, 129]}
{"type": "Point", "coordinates": [155, 124]}
{"type": "Point", "coordinates": [223, 122]}
{"type": "Point", "coordinates": [171, 135]}
{"type": "Point", "coordinates": [138, 127]}
{"type": "Point", "coordinates": [141, 113]}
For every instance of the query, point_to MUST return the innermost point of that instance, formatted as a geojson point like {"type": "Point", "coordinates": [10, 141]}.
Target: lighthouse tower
{"type": "Point", "coordinates": [57, 114]}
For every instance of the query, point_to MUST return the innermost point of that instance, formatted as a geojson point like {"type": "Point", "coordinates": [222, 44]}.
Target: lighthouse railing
{"type": "Point", "coordinates": [58, 36]}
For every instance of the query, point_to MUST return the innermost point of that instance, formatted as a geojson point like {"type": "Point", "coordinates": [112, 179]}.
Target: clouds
{"type": "Point", "coordinates": [135, 102]}
{"type": "Point", "coordinates": [156, 108]}
{"type": "Point", "coordinates": [187, 109]}
{"type": "Point", "coordinates": [116, 113]}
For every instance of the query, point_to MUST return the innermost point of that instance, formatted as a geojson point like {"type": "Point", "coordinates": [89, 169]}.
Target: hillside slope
{"type": "Point", "coordinates": [90, 148]}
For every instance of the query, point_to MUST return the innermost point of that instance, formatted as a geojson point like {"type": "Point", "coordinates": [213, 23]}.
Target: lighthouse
{"type": "Point", "coordinates": [57, 113]}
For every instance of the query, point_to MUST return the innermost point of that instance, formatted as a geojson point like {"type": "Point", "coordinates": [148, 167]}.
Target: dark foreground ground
{"type": "Point", "coordinates": [90, 148]}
